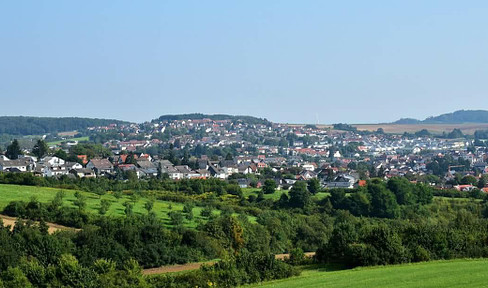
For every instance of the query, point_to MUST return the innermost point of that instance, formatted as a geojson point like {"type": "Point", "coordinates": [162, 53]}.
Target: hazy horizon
{"type": "Point", "coordinates": [148, 120]}
{"type": "Point", "coordinates": [286, 61]}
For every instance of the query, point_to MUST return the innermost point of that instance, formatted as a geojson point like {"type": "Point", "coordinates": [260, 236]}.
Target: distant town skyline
{"type": "Point", "coordinates": [287, 61]}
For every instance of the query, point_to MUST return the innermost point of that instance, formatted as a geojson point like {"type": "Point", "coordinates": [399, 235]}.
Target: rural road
{"type": "Point", "coordinates": [7, 220]}
{"type": "Point", "coordinates": [195, 266]}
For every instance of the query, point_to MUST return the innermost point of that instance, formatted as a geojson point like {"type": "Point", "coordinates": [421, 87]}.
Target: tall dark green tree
{"type": "Point", "coordinates": [300, 197]}
{"type": "Point", "coordinates": [13, 150]}
{"type": "Point", "coordinates": [40, 149]}
{"type": "Point", "coordinates": [229, 156]}
{"type": "Point", "coordinates": [483, 181]}
{"type": "Point", "coordinates": [149, 205]}
{"type": "Point", "coordinates": [60, 153]}
{"type": "Point", "coordinates": [104, 206]}
{"type": "Point", "coordinates": [129, 208]}
{"type": "Point", "coordinates": [403, 190]}
{"type": "Point", "coordinates": [269, 186]}
{"type": "Point", "coordinates": [383, 201]}
{"type": "Point", "coordinates": [423, 193]}
{"type": "Point", "coordinates": [130, 159]}
{"type": "Point", "coordinates": [313, 185]}
{"type": "Point", "coordinates": [80, 201]}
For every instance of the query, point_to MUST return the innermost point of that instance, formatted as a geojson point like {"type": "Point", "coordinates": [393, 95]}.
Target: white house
{"type": "Point", "coordinates": [52, 161]}
{"type": "Point", "coordinates": [342, 181]}
{"type": "Point", "coordinates": [18, 165]}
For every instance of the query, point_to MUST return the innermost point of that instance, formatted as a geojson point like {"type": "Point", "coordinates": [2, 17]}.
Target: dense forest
{"type": "Point", "coordinates": [461, 116]}
{"type": "Point", "coordinates": [24, 125]}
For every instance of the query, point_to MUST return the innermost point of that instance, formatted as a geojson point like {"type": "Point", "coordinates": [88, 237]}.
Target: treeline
{"type": "Point", "coordinates": [481, 134]}
{"type": "Point", "coordinates": [142, 238]}
{"type": "Point", "coordinates": [344, 127]}
{"type": "Point", "coordinates": [461, 116]}
{"type": "Point", "coordinates": [110, 251]}
{"type": "Point", "coordinates": [103, 184]}
{"type": "Point", "coordinates": [365, 242]}
{"type": "Point", "coordinates": [215, 117]}
{"type": "Point", "coordinates": [441, 165]}
{"type": "Point", "coordinates": [453, 193]}
{"type": "Point", "coordinates": [382, 200]}
{"type": "Point", "coordinates": [24, 125]}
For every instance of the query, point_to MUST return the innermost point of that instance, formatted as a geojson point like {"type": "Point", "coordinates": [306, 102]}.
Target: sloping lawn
{"type": "Point", "coordinates": [10, 193]}
{"type": "Point", "coordinates": [454, 273]}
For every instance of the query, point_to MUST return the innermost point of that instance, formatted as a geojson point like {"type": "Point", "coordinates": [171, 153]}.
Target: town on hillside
{"type": "Point", "coordinates": [248, 151]}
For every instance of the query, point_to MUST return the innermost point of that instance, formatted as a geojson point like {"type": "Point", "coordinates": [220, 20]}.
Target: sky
{"type": "Point", "coordinates": [287, 61]}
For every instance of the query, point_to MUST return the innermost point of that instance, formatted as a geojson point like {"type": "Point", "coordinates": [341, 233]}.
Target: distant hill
{"type": "Point", "coordinates": [461, 116]}
{"type": "Point", "coordinates": [199, 116]}
{"type": "Point", "coordinates": [26, 125]}
{"type": "Point", "coordinates": [407, 121]}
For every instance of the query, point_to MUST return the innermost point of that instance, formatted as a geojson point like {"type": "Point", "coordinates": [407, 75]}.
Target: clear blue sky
{"type": "Point", "coordinates": [288, 61]}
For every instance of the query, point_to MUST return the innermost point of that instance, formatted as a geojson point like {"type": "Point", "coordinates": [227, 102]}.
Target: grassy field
{"type": "Point", "coordinates": [10, 193]}
{"type": "Point", "coordinates": [79, 139]}
{"type": "Point", "coordinates": [455, 273]}
{"type": "Point", "coordinates": [466, 128]}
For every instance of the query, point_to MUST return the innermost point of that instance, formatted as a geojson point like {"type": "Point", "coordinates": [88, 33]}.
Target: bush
{"type": "Point", "coordinates": [297, 257]}
{"type": "Point", "coordinates": [206, 212]}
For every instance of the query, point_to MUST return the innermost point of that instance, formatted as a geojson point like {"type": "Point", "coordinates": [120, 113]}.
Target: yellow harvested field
{"type": "Point", "coordinates": [466, 128]}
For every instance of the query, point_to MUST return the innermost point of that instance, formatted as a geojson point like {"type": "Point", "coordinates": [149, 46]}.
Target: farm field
{"type": "Point", "coordinates": [453, 273]}
{"type": "Point", "coordinates": [10, 193]}
{"type": "Point", "coordinates": [466, 128]}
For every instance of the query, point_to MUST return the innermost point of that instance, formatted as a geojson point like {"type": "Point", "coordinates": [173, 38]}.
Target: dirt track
{"type": "Point", "coordinates": [284, 256]}
{"type": "Point", "coordinates": [175, 268]}
{"type": "Point", "coordinates": [195, 266]}
{"type": "Point", "coordinates": [7, 220]}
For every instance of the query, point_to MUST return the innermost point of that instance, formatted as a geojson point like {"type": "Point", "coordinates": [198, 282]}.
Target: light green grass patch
{"type": "Point", "coordinates": [454, 273]}
{"type": "Point", "coordinates": [79, 139]}
{"type": "Point", "coordinates": [9, 193]}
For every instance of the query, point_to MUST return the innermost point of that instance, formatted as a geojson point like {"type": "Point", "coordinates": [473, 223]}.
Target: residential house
{"type": "Point", "coordinates": [52, 161]}
{"type": "Point", "coordinates": [17, 165]}
{"type": "Point", "coordinates": [342, 181]}
{"type": "Point", "coordinates": [217, 172]}
{"type": "Point", "coordinates": [100, 166]}
{"type": "Point", "coordinates": [187, 172]}
{"type": "Point", "coordinates": [82, 172]}
{"type": "Point", "coordinates": [307, 175]}
{"type": "Point", "coordinates": [147, 167]}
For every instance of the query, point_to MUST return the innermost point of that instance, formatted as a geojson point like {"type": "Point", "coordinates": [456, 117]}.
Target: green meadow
{"type": "Point", "coordinates": [454, 273]}
{"type": "Point", "coordinates": [79, 139]}
{"type": "Point", "coordinates": [10, 193]}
